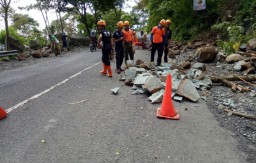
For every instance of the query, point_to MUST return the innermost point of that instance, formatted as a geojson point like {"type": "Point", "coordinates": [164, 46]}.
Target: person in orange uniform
{"type": "Point", "coordinates": [128, 39]}
{"type": "Point", "coordinates": [168, 36]}
{"type": "Point", "coordinates": [105, 43]}
{"type": "Point", "coordinates": [158, 38]}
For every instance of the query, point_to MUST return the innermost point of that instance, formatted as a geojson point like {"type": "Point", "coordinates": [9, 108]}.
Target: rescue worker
{"type": "Point", "coordinates": [118, 39]}
{"type": "Point", "coordinates": [55, 44]}
{"type": "Point", "coordinates": [128, 39]}
{"type": "Point", "coordinates": [157, 39]}
{"type": "Point", "coordinates": [168, 36]}
{"type": "Point", "coordinates": [105, 43]}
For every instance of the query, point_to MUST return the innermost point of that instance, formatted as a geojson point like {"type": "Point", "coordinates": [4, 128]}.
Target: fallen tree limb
{"type": "Point", "coordinates": [247, 54]}
{"type": "Point", "coordinates": [245, 81]}
{"type": "Point", "coordinates": [249, 116]}
{"type": "Point", "coordinates": [250, 59]}
{"type": "Point", "coordinates": [234, 87]}
{"type": "Point", "coordinates": [248, 78]}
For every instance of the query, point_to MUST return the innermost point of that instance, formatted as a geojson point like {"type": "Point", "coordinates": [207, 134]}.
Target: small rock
{"type": "Point", "coordinates": [157, 97]}
{"type": "Point", "coordinates": [139, 62]}
{"type": "Point", "coordinates": [115, 90]}
{"type": "Point", "coordinates": [130, 63]}
{"type": "Point", "coordinates": [234, 58]}
{"type": "Point", "coordinates": [199, 66]}
{"type": "Point", "coordinates": [252, 44]}
{"type": "Point", "coordinates": [178, 98]}
{"type": "Point", "coordinates": [230, 113]}
{"type": "Point", "coordinates": [243, 48]}
{"type": "Point", "coordinates": [253, 94]}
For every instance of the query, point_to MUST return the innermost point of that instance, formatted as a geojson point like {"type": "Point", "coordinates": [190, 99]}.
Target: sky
{"type": "Point", "coordinates": [38, 16]}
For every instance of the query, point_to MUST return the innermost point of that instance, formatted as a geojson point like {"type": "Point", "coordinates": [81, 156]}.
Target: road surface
{"type": "Point", "coordinates": [62, 110]}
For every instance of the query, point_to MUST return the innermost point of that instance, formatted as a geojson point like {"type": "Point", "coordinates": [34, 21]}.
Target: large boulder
{"type": "Point", "coordinates": [252, 44]}
{"type": "Point", "coordinates": [233, 58]}
{"type": "Point", "coordinates": [206, 54]}
{"type": "Point", "coordinates": [36, 53]}
{"type": "Point", "coordinates": [78, 40]}
{"type": "Point", "coordinates": [15, 44]}
{"type": "Point", "coordinates": [22, 57]}
{"type": "Point", "coordinates": [34, 44]}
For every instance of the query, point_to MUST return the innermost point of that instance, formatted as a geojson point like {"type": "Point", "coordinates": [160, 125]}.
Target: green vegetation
{"type": "Point", "coordinates": [232, 21]}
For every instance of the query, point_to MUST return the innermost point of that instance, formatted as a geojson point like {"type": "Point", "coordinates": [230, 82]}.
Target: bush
{"type": "Point", "coordinates": [13, 32]}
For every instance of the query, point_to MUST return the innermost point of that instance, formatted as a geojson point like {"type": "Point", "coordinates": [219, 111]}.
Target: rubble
{"type": "Point", "coordinates": [188, 90]}
{"type": "Point", "coordinates": [199, 66]}
{"type": "Point", "coordinates": [130, 63]}
{"type": "Point", "coordinates": [115, 90]}
{"type": "Point", "coordinates": [157, 97]}
{"type": "Point", "coordinates": [178, 98]}
{"type": "Point", "coordinates": [141, 80]}
{"type": "Point", "coordinates": [130, 74]}
{"type": "Point", "coordinates": [153, 84]}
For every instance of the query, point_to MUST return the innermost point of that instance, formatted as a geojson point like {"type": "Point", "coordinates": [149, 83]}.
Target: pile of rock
{"type": "Point", "coordinates": [150, 80]}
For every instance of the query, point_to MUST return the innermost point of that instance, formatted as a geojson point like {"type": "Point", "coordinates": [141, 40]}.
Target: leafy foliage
{"type": "Point", "coordinates": [13, 33]}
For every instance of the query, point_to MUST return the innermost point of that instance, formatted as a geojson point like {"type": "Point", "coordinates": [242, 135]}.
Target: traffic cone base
{"type": "Point", "coordinates": [3, 114]}
{"type": "Point", "coordinates": [158, 114]}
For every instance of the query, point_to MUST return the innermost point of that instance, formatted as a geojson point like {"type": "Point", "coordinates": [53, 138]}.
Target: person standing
{"type": "Point", "coordinates": [105, 43]}
{"type": "Point", "coordinates": [55, 44]}
{"type": "Point", "coordinates": [128, 39]}
{"type": "Point", "coordinates": [118, 38]}
{"type": "Point", "coordinates": [158, 39]}
{"type": "Point", "coordinates": [64, 42]}
{"type": "Point", "coordinates": [168, 36]}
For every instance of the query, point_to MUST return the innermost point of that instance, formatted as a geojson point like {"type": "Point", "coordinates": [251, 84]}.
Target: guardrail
{"type": "Point", "coordinates": [8, 53]}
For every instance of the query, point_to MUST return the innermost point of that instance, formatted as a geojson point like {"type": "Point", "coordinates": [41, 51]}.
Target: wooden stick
{"type": "Point", "coordinates": [246, 81]}
{"type": "Point", "coordinates": [248, 78]}
{"type": "Point", "coordinates": [249, 116]}
{"type": "Point", "coordinates": [234, 87]}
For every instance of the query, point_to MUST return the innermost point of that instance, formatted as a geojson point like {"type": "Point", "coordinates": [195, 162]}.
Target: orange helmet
{"type": "Point", "coordinates": [126, 23]}
{"type": "Point", "coordinates": [120, 24]}
{"type": "Point", "coordinates": [168, 21]}
{"type": "Point", "coordinates": [163, 22]}
{"type": "Point", "coordinates": [101, 22]}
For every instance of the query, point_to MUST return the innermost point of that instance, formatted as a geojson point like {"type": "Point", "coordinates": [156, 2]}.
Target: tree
{"type": "Point", "coordinates": [82, 7]}
{"type": "Point", "coordinates": [24, 23]}
{"type": "Point", "coordinates": [5, 4]}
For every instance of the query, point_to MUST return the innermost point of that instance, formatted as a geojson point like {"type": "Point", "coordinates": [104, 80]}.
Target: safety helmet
{"type": "Point", "coordinates": [163, 22]}
{"type": "Point", "coordinates": [101, 23]}
{"type": "Point", "coordinates": [168, 21]}
{"type": "Point", "coordinates": [126, 23]}
{"type": "Point", "coordinates": [120, 24]}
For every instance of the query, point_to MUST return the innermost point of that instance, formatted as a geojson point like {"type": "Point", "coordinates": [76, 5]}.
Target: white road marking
{"type": "Point", "coordinates": [48, 90]}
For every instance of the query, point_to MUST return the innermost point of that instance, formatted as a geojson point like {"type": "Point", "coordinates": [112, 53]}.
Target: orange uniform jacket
{"type": "Point", "coordinates": [158, 34]}
{"type": "Point", "coordinates": [128, 35]}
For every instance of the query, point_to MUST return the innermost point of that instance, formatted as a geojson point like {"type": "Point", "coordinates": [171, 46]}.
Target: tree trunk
{"type": "Point", "coordinates": [61, 23]}
{"type": "Point", "coordinates": [84, 19]}
{"type": "Point", "coordinates": [7, 42]}
{"type": "Point", "coordinates": [46, 26]}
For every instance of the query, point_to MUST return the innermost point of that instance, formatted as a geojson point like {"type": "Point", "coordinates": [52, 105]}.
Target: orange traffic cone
{"type": "Point", "coordinates": [167, 110]}
{"type": "Point", "coordinates": [3, 114]}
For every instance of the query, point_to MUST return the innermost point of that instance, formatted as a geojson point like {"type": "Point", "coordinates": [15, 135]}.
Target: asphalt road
{"type": "Point", "coordinates": [73, 117]}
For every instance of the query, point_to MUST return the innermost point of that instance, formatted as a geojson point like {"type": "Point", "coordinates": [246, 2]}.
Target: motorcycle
{"type": "Point", "coordinates": [93, 47]}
